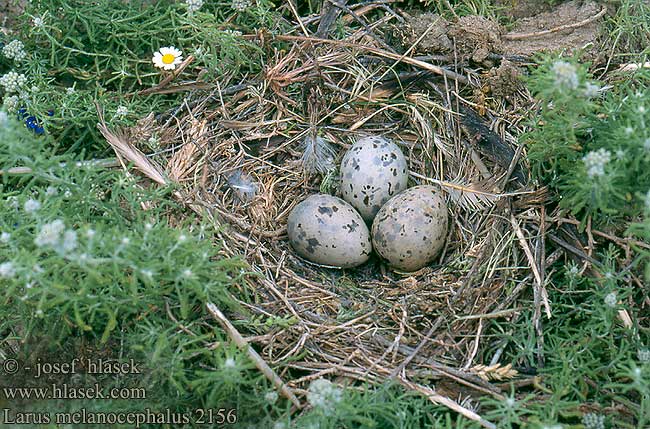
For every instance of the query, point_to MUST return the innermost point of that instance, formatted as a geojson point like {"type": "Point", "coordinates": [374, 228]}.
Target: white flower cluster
{"type": "Point", "coordinates": [595, 162]}
{"type": "Point", "coordinates": [11, 103]}
{"type": "Point", "coordinates": [566, 75]}
{"type": "Point", "coordinates": [38, 22]}
{"type": "Point", "coordinates": [14, 50]}
{"type": "Point", "coordinates": [241, 5]}
{"type": "Point", "coordinates": [611, 299]}
{"type": "Point", "coordinates": [593, 421]}
{"type": "Point", "coordinates": [592, 90]}
{"type": "Point", "coordinates": [55, 235]}
{"type": "Point", "coordinates": [13, 81]}
{"type": "Point", "coordinates": [193, 5]}
{"type": "Point", "coordinates": [7, 270]}
{"type": "Point", "coordinates": [31, 206]}
{"type": "Point", "coordinates": [122, 111]}
{"type": "Point", "coordinates": [324, 395]}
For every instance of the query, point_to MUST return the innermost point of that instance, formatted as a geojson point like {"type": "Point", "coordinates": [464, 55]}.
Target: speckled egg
{"type": "Point", "coordinates": [410, 229]}
{"type": "Point", "coordinates": [372, 171]}
{"type": "Point", "coordinates": [327, 230]}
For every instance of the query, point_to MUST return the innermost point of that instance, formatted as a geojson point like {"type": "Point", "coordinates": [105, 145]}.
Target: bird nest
{"type": "Point", "coordinates": [236, 149]}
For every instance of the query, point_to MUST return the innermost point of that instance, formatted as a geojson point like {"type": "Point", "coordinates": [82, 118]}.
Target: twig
{"type": "Point", "coordinates": [521, 36]}
{"type": "Point", "coordinates": [241, 342]}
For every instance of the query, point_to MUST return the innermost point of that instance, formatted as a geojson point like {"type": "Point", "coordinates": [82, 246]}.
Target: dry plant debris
{"type": "Point", "coordinates": [236, 151]}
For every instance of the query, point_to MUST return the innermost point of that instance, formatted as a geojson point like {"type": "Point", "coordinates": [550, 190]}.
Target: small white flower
{"type": "Point", "coordinates": [187, 273]}
{"type": "Point", "coordinates": [148, 226]}
{"type": "Point", "coordinates": [7, 270]}
{"type": "Point", "coordinates": [83, 257]}
{"type": "Point", "coordinates": [241, 5]}
{"type": "Point", "coordinates": [510, 402]}
{"type": "Point", "coordinates": [70, 90]}
{"type": "Point", "coordinates": [69, 242]}
{"type": "Point", "coordinates": [593, 421]}
{"type": "Point", "coordinates": [167, 58]}
{"type": "Point", "coordinates": [182, 238]}
{"type": "Point", "coordinates": [271, 397]}
{"type": "Point", "coordinates": [147, 273]}
{"type": "Point", "coordinates": [5, 237]}
{"type": "Point", "coordinates": [574, 270]}
{"type": "Point", "coordinates": [620, 154]}
{"type": "Point", "coordinates": [50, 234]}
{"type": "Point", "coordinates": [611, 299]}
{"type": "Point", "coordinates": [14, 50]}
{"type": "Point", "coordinates": [566, 74]}
{"type": "Point", "coordinates": [324, 395]}
{"type": "Point", "coordinates": [230, 363]}
{"type": "Point", "coordinates": [90, 233]}
{"type": "Point", "coordinates": [193, 5]}
{"type": "Point", "coordinates": [596, 161]}
{"type": "Point", "coordinates": [11, 103]}
{"type": "Point", "coordinates": [629, 131]}
{"type": "Point", "coordinates": [125, 241]}
{"type": "Point", "coordinates": [592, 90]}
{"type": "Point", "coordinates": [51, 191]}
{"type": "Point", "coordinates": [67, 193]}
{"type": "Point", "coordinates": [38, 22]}
{"type": "Point", "coordinates": [13, 82]}
{"type": "Point", "coordinates": [29, 285]}
{"type": "Point", "coordinates": [122, 111]}
{"type": "Point", "coordinates": [641, 109]}
{"type": "Point", "coordinates": [31, 206]}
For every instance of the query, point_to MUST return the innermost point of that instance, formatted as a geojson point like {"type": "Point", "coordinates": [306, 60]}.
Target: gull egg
{"type": "Point", "coordinates": [372, 171]}
{"type": "Point", "coordinates": [410, 229]}
{"type": "Point", "coordinates": [327, 230]}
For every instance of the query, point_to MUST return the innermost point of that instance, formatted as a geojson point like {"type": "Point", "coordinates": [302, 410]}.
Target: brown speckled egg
{"type": "Point", "coordinates": [410, 229]}
{"type": "Point", "coordinates": [372, 171]}
{"type": "Point", "coordinates": [327, 230]}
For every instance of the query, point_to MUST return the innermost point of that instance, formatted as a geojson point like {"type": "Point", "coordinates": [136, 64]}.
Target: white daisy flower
{"type": "Point", "coordinates": [167, 58]}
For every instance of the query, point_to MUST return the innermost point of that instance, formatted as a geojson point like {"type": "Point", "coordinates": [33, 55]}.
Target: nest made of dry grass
{"type": "Point", "coordinates": [424, 329]}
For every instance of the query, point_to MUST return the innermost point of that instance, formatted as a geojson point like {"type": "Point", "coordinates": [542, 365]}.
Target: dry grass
{"type": "Point", "coordinates": [422, 329]}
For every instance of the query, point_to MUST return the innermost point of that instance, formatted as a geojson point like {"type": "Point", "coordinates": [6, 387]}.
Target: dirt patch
{"type": "Point", "coordinates": [10, 10]}
{"type": "Point", "coordinates": [477, 37]}
{"type": "Point", "coordinates": [435, 40]}
{"type": "Point", "coordinates": [564, 15]}
{"type": "Point", "coordinates": [504, 81]}
{"type": "Point", "coordinates": [518, 9]}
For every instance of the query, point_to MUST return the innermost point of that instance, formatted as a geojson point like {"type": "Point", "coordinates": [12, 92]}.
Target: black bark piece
{"type": "Point", "coordinates": [488, 143]}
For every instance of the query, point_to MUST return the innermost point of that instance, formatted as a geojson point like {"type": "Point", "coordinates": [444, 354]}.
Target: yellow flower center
{"type": "Point", "coordinates": [168, 58]}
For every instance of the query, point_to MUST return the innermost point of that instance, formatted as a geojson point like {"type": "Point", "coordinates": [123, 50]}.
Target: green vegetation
{"type": "Point", "coordinates": [94, 263]}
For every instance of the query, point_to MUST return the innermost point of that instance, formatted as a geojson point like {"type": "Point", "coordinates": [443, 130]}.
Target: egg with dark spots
{"type": "Point", "coordinates": [372, 171]}
{"type": "Point", "coordinates": [410, 229]}
{"type": "Point", "coordinates": [329, 231]}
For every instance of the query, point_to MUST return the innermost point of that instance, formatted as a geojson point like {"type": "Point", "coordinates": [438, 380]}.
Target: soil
{"type": "Point", "coordinates": [504, 81]}
{"type": "Point", "coordinates": [477, 37]}
{"type": "Point", "coordinates": [569, 40]}
{"type": "Point", "coordinates": [518, 9]}
{"type": "Point", "coordinates": [436, 39]}
{"type": "Point", "coordinates": [9, 11]}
